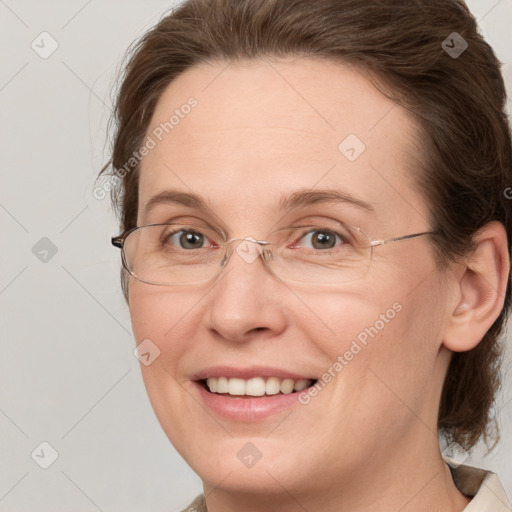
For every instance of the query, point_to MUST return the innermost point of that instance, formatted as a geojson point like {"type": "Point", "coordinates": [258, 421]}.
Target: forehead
{"type": "Point", "coordinates": [264, 128]}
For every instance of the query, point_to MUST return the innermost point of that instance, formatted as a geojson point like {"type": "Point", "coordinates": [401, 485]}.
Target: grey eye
{"type": "Point", "coordinates": [188, 239]}
{"type": "Point", "coordinates": [321, 239]}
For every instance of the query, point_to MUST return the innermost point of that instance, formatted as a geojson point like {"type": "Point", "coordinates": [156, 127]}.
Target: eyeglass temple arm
{"type": "Point", "coordinates": [117, 241]}
{"type": "Point", "coordinates": [397, 239]}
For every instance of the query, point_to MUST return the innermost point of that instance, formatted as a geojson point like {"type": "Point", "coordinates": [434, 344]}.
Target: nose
{"type": "Point", "coordinates": [247, 299]}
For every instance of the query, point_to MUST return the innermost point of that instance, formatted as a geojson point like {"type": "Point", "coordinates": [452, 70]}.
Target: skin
{"type": "Point", "coordinates": [368, 441]}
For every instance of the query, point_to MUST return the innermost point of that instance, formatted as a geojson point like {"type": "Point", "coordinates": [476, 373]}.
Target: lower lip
{"type": "Point", "coordinates": [246, 409]}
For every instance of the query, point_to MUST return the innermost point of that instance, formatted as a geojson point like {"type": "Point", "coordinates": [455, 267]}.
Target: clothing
{"type": "Point", "coordinates": [482, 486]}
{"type": "Point", "coordinates": [198, 505]}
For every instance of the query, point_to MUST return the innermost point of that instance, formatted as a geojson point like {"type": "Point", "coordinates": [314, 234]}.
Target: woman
{"type": "Point", "coordinates": [315, 247]}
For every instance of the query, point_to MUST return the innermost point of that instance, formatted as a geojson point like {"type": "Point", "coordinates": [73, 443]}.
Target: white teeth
{"type": "Point", "coordinates": [212, 384]}
{"type": "Point", "coordinates": [256, 386]}
{"type": "Point", "coordinates": [236, 387]}
{"type": "Point", "coordinates": [273, 386]}
{"type": "Point", "coordinates": [301, 384]}
{"type": "Point", "coordinates": [222, 385]}
{"type": "Point", "coordinates": [287, 386]}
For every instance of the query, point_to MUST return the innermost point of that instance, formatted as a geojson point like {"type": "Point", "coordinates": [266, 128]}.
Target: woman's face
{"type": "Point", "coordinates": [262, 133]}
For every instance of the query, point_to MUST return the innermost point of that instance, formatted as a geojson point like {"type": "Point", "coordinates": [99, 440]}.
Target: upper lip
{"type": "Point", "coordinates": [247, 373]}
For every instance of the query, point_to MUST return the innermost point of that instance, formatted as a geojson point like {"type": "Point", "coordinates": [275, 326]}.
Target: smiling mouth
{"type": "Point", "coordinates": [255, 387]}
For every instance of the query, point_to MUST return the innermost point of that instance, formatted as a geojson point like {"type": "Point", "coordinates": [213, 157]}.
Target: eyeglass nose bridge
{"type": "Point", "coordinates": [249, 249]}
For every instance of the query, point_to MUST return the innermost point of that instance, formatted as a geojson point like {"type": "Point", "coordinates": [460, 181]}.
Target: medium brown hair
{"type": "Point", "coordinates": [458, 102]}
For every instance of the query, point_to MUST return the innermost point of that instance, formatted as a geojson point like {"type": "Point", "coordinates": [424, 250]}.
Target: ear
{"type": "Point", "coordinates": [480, 290]}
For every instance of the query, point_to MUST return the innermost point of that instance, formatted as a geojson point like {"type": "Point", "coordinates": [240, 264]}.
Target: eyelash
{"type": "Point", "coordinates": [311, 232]}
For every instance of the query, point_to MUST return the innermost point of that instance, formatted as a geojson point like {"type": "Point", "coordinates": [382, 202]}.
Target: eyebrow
{"type": "Point", "coordinates": [175, 197]}
{"type": "Point", "coordinates": [305, 197]}
{"type": "Point", "coordinates": [296, 200]}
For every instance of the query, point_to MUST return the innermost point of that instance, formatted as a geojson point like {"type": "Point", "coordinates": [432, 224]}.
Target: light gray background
{"type": "Point", "coordinates": [67, 372]}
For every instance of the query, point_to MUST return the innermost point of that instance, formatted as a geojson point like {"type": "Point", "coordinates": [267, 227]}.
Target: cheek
{"type": "Point", "coordinates": [402, 357]}
{"type": "Point", "coordinates": [343, 320]}
{"type": "Point", "coordinates": [158, 314]}
{"type": "Point", "coordinates": [387, 332]}
{"type": "Point", "coordinates": [169, 321]}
